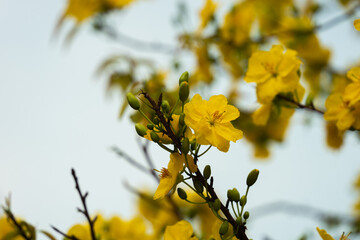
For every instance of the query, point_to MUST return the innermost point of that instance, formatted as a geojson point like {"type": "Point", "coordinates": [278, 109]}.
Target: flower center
{"type": "Point", "coordinates": [216, 117]}
{"type": "Point", "coordinates": [164, 173]}
{"type": "Point", "coordinates": [269, 67]}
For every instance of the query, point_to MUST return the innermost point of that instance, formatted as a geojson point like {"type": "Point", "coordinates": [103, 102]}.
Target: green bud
{"type": "Point", "coordinates": [238, 220]}
{"type": "Point", "coordinates": [246, 215]}
{"type": "Point", "coordinates": [233, 195]}
{"type": "Point", "coordinates": [165, 106]}
{"type": "Point", "coordinates": [243, 200]}
{"type": "Point", "coordinates": [179, 178]}
{"type": "Point", "coordinates": [182, 119]}
{"type": "Point", "coordinates": [150, 126]}
{"type": "Point", "coordinates": [184, 91]}
{"type": "Point", "coordinates": [217, 205]}
{"type": "Point", "coordinates": [182, 194]}
{"type": "Point", "coordinates": [184, 77]}
{"type": "Point", "coordinates": [154, 136]}
{"type": "Point", "coordinates": [185, 146]}
{"type": "Point", "coordinates": [224, 228]}
{"type": "Point", "coordinates": [198, 186]}
{"type": "Point", "coordinates": [133, 101]}
{"type": "Point", "coordinates": [309, 100]}
{"type": "Point", "coordinates": [156, 120]}
{"type": "Point", "coordinates": [252, 177]}
{"type": "Point", "coordinates": [207, 172]}
{"type": "Point", "coordinates": [140, 129]}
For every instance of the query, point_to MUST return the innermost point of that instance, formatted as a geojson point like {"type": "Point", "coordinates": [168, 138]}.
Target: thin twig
{"type": "Point", "coordinates": [72, 237]}
{"type": "Point", "coordinates": [144, 148]}
{"type": "Point", "coordinates": [299, 105]}
{"type": "Point", "coordinates": [83, 201]}
{"type": "Point", "coordinates": [132, 161]}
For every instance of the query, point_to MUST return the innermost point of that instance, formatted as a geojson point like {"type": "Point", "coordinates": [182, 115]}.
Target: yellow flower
{"type": "Point", "coordinates": [352, 91]}
{"type": "Point", "coordinates": [325, 236]}
{"type": "Point", "coordinates": [211, 121]}
{"type": "Point", "coordinates": [82, 9]}
{"type": "Point", "coordinates": [357, 24]}
{"type": "Point", "coordinates": [180, 231]}
{"type": "Point", "coordinates": [207, 13]}
{"type": "Point", "coordinates": [274, 72]}
{"type": "Point", "coordinates": [168, 175]}
{"type": "Point", "coordinates": [80, 231]}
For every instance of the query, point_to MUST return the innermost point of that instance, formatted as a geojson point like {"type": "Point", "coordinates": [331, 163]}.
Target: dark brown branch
{"type": "Point", "coordinates": [83, 201]}
{"type": "Point", "coordinates": [299, 105]}
{"type": "Point", "coordinates": [144, 148]}
{"type": "Point", "coordinates": [72, 237]}
{"type": "Point", "coordinates": [13, 221]}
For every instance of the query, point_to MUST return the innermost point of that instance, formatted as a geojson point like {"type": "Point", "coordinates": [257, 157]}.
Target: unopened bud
{"type": "Point", "coordinates": [224, 228]}
{"type": "Point", "coordinates": [252, 177]}
{"type": "Point", "coordinates": [185, 146]}
{"type": "Point", "coordinates": [217, 205]}
{"type": "Point", "coordinates": [238, 220]}
{"type": "Point", "coordinates": [207, 172]}
{"type": "Point", "coordinates": [193, 145]}
{"type": "Point", "coordinates": [197, 185]}
{"type": "Point", "coordinates": [182, 194]}
{"type": "Point", "coordinates": [150, 126]}
{"type": "Point", "coordinates": [184, 77]}
{"type": "Point", "coordinates": [184, 91]}
{"type": "Point", "coordinates": [140, 129]}
{"type": "Point", "coordinates": [165, 106]}
{"type": "Point", "coordinates": [233, 195]}
{"type": "Point", "coordinates": [156, 120]}
{"type": "Point", "coordinates": [246, 215]}
{"type": "Point", "coordinates": [243, 200]}
{"type": "Point", "coordinates": [133, 101]}
{"type": "Point", "coordinates": [154, 136]}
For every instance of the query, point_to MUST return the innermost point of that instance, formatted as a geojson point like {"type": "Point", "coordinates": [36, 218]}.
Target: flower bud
{"type": "Point", "coordinates": [193, 145]}
{"type": "Point", "coordinates": [185, 146]}
{"type": "Point", "coordinates": [165, 106]}
{"type": "Point", "coordinates": [150, 126]}
{"type": "Point", "coordinates": [252, 177]}
{"type": "Point", "coordinates": [233, 195]}
{"type": "Point", "coordinates": [133, 101]}
{"type": "Point", "coordinates": [207, 172]}
{"type": "Point", "coordinates": [224, 228]}
{"type": "Point", "coordinates": [154, 136]}
{"type": "Point", "coordinates": [243, 200]}
{"type": "Point", "coordinates": [238, 220]}
{"type": "Point", "coordinates": [182, 194]}
{"type": "Point", "coordinates": [217, 205]}
{"type": "Point", "coordinates": [184, 77]}
{"type": "Point", "coordinates": [198, 186]}
{"type": "Point", "coordinates": [184, 91]}
{"type": "Point", "coordinates": [140, 129]}
{"type": "Point", "coordinates": [246, 215]}
{"type": "Point", "coordinates": [156, 120]}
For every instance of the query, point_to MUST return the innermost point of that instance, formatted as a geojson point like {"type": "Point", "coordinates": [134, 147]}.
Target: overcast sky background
{"type": "Point", "coordinates": [55, 115]}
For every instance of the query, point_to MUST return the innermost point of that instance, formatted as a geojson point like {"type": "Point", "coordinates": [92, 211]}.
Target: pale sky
{"type": "Point", "coordinates": [55, 115]}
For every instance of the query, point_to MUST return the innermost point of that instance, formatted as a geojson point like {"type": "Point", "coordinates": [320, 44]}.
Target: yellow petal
{"type": "Point", "coordinates": [324, 235]}
{"type": "Point", "coordinates": [180, 231]}
{"type": "Point", "coordinates": [357, 24]}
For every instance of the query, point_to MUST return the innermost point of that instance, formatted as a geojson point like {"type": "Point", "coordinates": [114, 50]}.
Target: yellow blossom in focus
{"type": "Point", "coordinates": [325, 236]}
{"type": "Point", "coordinates": [168, 175]}
{"type": "Point", "coordinates": [274, 72]}
{"type": "Point", "coordinates": [207, 13]}
{"type": "Point", "coordinates": [180, 231]}
{"type": "Point", "coordinates": [211, 121]}
{"type": "Point", "coordinates": [357, 24]}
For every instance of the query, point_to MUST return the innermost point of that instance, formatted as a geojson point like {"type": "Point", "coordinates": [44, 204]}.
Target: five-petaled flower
{"type": "Point", "coordinates": [211, 121]}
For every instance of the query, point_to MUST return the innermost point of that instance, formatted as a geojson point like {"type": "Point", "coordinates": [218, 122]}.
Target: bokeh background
{"type": "Point", "coordinates": [55, 114]}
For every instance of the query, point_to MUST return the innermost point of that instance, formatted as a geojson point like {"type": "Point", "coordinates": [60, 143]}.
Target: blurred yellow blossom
{"type": "Point", "coordinates": [274, 72]}
{"type": "Point", "coordinates": [168, 175]}
{"type": "Point", "coordinates": [357, 24]}
{"type": "Point", "coordinates": [207, 13]}
{"type": "Point", "coordinates": [7, 230]}
{"type": "Point", "coordinates": [325, 236]}
{"type": "Point", "coordinates": [211, 121]}
{"type": "Point", "coordinates": [180, 231]}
